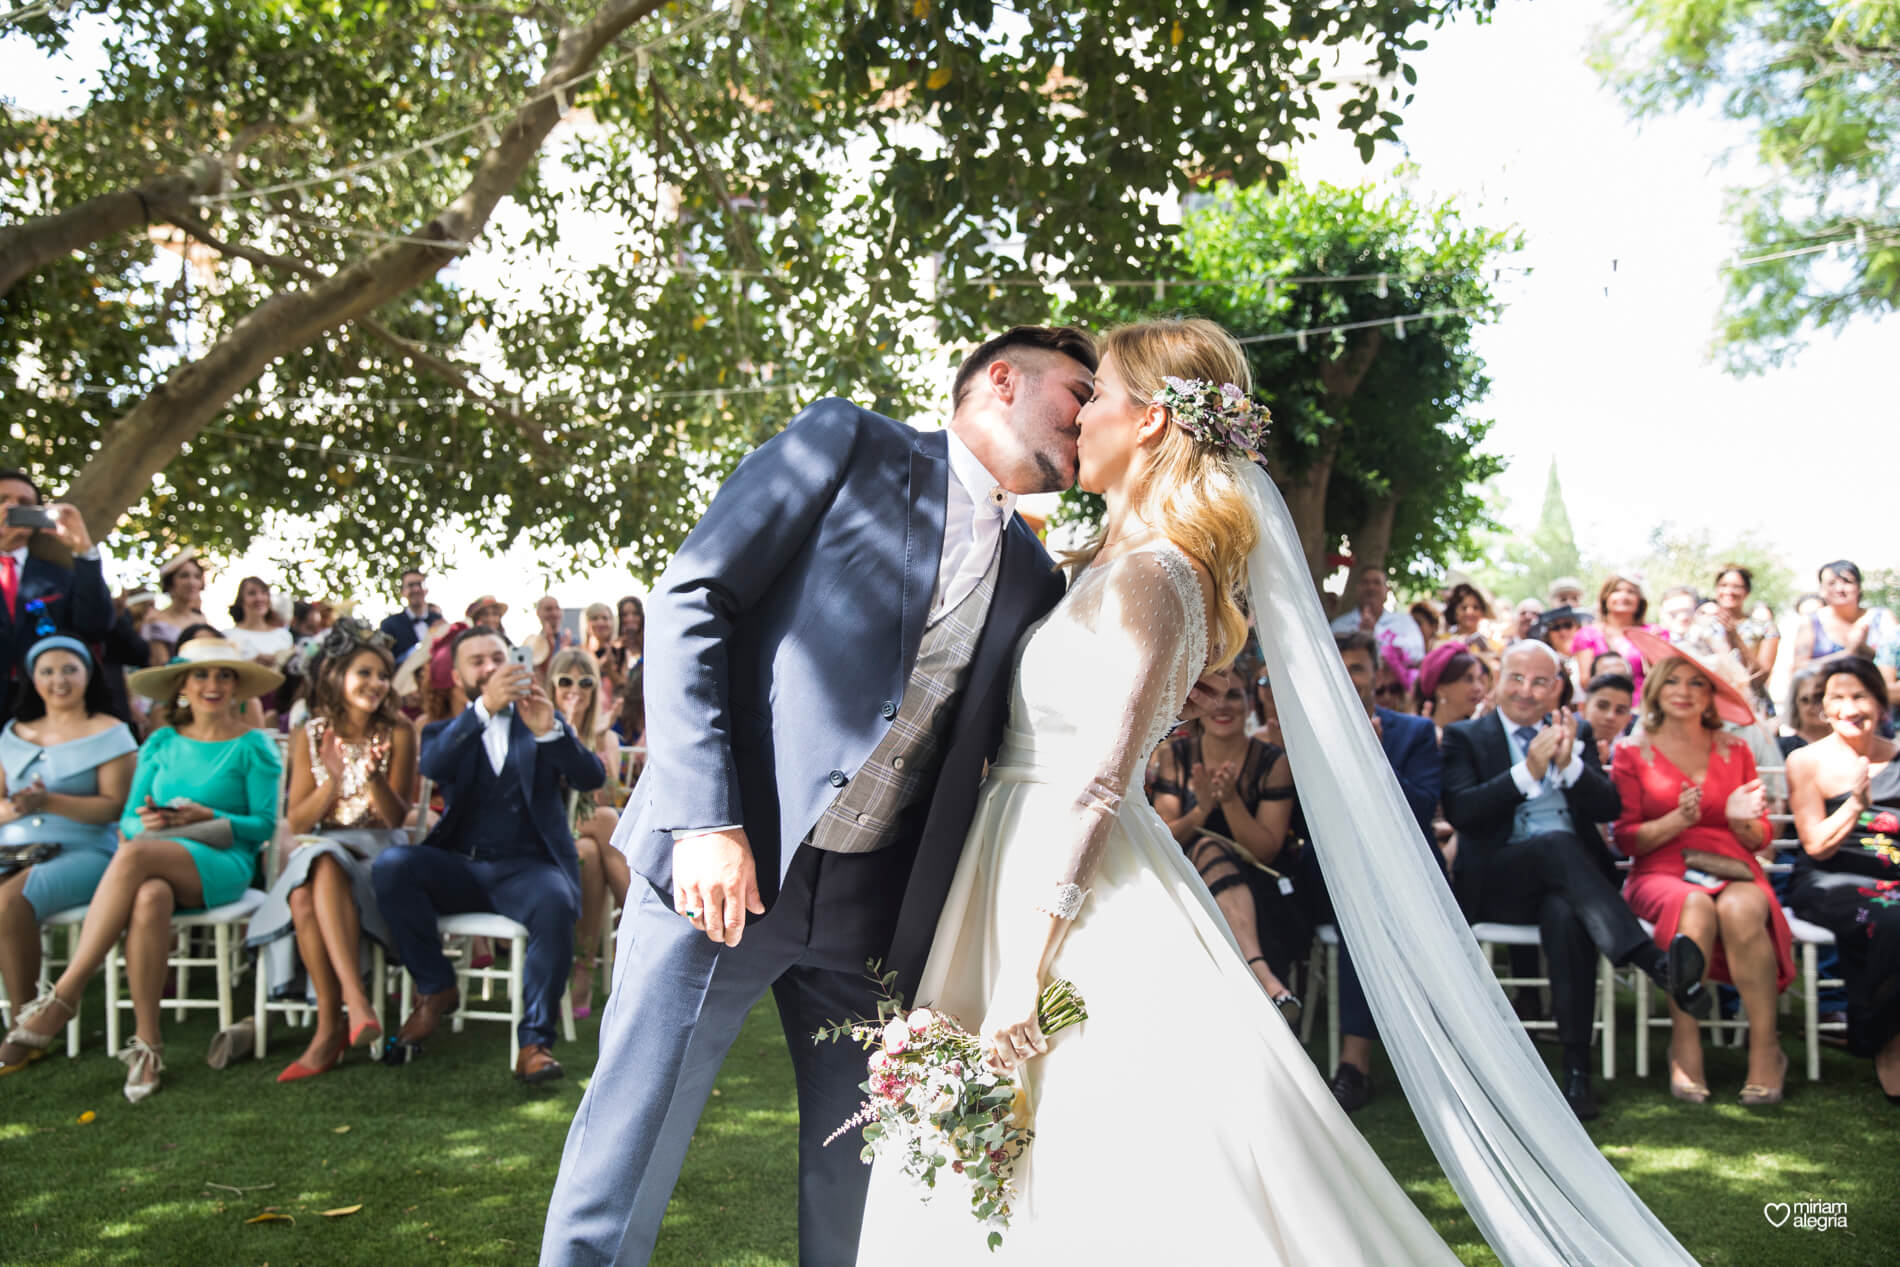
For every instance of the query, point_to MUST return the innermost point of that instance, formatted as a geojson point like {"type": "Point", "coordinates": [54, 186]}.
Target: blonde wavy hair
{"type": "Point", "coordinates": [581, 664]}
{"type": "Point", "coordinates": [1188, 489]}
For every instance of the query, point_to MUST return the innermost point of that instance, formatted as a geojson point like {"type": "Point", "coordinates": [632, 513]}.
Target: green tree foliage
{"type": "Point", "coordinates": [1818, 84]}
{"type": "Point", "coordinates": [1375, 439]}
{"type": "Point", "coordinates": [1683, 556]}
{"type": "Point", "coordinates": [1516, 567]}
{"type": "Point", "coordinates": [810, 200]}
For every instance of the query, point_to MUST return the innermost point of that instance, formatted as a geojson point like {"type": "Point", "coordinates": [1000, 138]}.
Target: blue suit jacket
{"type": "Point", "coordinates": [402, 631]}
{"type": "Point", "coordinates": [1411, 748]}
{"type": "Point", "coordinates": [546, 770]}
{"type": "Point", "coordinates": [74, 600]}
{"type": "Point", "coordinates": [781, 637]}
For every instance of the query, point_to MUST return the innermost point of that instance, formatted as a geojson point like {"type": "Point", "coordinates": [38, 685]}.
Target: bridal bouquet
{"type": "Point", "coordinates": [935, 1108]}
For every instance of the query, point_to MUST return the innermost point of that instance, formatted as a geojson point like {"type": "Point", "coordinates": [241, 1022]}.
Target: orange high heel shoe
{"type": "Point", "coordinates": [299, 1070]}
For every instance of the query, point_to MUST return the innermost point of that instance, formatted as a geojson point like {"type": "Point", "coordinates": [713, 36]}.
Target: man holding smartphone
{"type": "Point", "coordinates": [503, 843]}
{"type": "Point", "coordinates": [40, 595]}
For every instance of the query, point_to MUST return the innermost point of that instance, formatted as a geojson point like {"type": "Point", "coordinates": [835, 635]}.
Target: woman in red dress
{"type": "Point", "coordinates": [1694, 814]}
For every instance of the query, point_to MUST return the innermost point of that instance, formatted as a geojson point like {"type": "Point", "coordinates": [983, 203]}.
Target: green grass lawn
{"type": "Point", "coordinates": [452, 1162]}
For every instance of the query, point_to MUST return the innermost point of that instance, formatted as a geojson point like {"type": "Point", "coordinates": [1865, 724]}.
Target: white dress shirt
{"type": "Point", "coordinates": [495, 733]}
{"type": "Point", "coordinates": [1554, 780]}
{"type": "Point", "coordinates": [1396, 627]}
{"type": "Point", "coordinates": [974, 514]}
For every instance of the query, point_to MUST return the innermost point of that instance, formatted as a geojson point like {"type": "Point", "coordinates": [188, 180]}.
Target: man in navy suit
{"type": "Point", "coordinates": [1411, 748]}
{"type": "Point", "coordinates": [406, 627]}
{"type": "Point", "coordinates": [38, 596]}
{"type": "Point", "coordinates": [502, 845]}
{"type": "Point", "coordinates": [828, 661]}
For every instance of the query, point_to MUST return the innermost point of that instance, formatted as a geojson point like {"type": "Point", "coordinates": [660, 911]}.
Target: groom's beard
{"type": "Point", "coordinates": [1050, 480]}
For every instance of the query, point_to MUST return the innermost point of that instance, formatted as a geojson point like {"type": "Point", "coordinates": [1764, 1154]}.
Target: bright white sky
{"type": "Point", "coordinates": [1606, 368]}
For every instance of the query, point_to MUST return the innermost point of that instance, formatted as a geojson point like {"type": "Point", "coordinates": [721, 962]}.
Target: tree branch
{"type": "Point", "coordinates": [139, 445]}
{"type": "Point", "coordinates": [463, 379]}
{"type": "Point", "coordinates": [27, 248]}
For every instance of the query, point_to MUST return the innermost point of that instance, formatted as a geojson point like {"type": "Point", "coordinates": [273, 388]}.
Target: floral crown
{"type": "Point", "coordinates": [1222, 416]}
{"type": "Point", "coordinates": [342, 638]}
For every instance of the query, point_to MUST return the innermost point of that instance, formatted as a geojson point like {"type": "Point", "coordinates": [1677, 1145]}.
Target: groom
{"type": "Point", "coordinates": [829, 665]}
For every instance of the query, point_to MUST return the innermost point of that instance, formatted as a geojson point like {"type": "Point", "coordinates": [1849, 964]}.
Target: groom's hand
{"type": "Point", "coordinates": [714, 878]}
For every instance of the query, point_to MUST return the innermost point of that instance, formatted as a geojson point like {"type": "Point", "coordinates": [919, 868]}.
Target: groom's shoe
{"type": "Point", "coordinates": [1577, 1093]}
{"type": "Point", "coordinates": [1351, 1087]}
{"type": "Point", "coordinates": [429, 1011]}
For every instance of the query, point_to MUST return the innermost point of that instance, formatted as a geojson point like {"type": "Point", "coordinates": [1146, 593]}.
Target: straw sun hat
{"type": "Point", "coordinates": [163, 682]}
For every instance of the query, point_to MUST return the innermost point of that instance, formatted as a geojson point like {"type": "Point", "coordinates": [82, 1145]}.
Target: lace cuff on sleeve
{"type": "Point", "coordinates": [1144, 634]}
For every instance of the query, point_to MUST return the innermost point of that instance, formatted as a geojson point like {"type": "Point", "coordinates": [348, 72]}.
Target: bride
{"type": "Point", "coordinates": [1069, 872]}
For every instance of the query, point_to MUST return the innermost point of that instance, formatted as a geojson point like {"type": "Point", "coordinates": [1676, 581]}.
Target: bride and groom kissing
{"type": "Point", "coordinates": [883, 727]}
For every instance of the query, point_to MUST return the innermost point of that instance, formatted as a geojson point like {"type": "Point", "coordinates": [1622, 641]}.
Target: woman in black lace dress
{"type": "Point", "coordinates": [1846, 794]}
{"type": "Point", "coordinates": [1229, 800]}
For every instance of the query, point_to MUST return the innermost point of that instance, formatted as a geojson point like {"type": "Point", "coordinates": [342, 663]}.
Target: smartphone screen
{"type": "Point", "coordinates": [30, 517]}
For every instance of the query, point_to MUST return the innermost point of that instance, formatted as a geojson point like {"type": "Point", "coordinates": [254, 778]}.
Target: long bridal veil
{"type": "Point", "coordinates": [1531, 1177]}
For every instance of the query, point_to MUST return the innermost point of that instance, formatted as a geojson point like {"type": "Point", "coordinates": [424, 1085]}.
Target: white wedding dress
{"type": "Point", "coordinates": [1183, 1119]}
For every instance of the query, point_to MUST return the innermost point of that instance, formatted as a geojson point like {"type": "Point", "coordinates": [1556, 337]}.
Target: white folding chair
{"type": "Point", "coordinates": [1490, 936]}
{"type": "Point", "coordinates": [223, 921]}
{"type": "Point", "coordinates": [499, 928]}
{"type": "Point", "coordinates": [1811, 937]}
{"type": "Point", "coordinates": [70, 920]}
{"type": "Point", "coordinates": [1722, 1031]}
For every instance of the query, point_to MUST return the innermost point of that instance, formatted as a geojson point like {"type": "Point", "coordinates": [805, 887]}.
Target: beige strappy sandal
{"type": "Point", "coordinates": [143, 1064]}
{"type": "Point", "coordinates": [24, 1046]}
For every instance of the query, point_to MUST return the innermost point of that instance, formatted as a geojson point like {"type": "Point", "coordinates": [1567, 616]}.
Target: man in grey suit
{"type": "Point", "coordinates": [829, 658]}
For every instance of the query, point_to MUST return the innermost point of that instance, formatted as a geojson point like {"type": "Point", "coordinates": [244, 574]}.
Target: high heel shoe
{"type": "Point", "coordinates": [143, 1063]}
{"type": "Point", "coordinates": [1687, 1091]}
{"type": "Point", "coordinates": [299, 1070]}
{"type": "Point", "coordinates": [366, 1033]}
{"type": "Point", "coordinates": [581, 988]}
{"type": "Point", "coordinates": [1758, 1095]}
{"type": "Point", "coordinates": [23, 1046]}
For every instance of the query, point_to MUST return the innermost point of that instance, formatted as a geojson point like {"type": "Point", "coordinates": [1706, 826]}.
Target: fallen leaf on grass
{"type": "Point", "coordinates": [340, 1211]}
{"type": "Point", "coordinates": [341, 1130]}
{"type": "Point", "coordinates": [271, 1216]}
{"type": "Point", "coordinates": [88, 1117]}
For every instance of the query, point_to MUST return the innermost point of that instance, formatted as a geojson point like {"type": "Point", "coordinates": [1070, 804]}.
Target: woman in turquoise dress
{"type": "Point", "coordinates": [65, 767]}
{"type": "Point", "coordinates": [203, 801]}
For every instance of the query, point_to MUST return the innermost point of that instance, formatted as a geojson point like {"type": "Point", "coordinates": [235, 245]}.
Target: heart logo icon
{"type": "Point", "coordinates": [1776, 1212]}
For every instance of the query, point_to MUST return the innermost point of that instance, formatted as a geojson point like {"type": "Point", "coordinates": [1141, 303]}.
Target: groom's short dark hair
{"type": "Point", "coordinates": [1065, 340]}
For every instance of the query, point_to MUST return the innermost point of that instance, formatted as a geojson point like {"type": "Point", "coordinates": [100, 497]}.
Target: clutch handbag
{"type": "Point", "coordinates": [19, 857]}
{"type": "Point", "coordinates": [1719, 865]}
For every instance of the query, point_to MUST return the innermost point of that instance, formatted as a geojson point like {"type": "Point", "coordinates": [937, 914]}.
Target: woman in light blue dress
{"type": "Point", "coordinates": [65, 767]}
{"type": "Point", "coordinates": [203, 802]}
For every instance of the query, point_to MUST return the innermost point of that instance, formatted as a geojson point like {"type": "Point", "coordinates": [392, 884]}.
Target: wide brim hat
{"type": "Point", "coordinates": [253, 679]}
{"type": "Point", "coordinates": [1575, 615]}
{"type": "Point", "coordinates": [1730, 704]}
{"type": "Point", "coordinates": [486, 600]}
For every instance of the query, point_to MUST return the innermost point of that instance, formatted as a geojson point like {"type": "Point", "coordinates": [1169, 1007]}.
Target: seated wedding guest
{"type": "Point", "coordinates": [203, 801]}
{"type": "Point", "coordinates": [1609, 701]}
{"type": "Point", "coordinates": [1842, 625]}
{"type": "Point", "coordinates": [1468, 617]}
{"type": "Point", "coordinates": [630, 714]}
{"type": "Point", "coordinates": [1392, 687]}
{"type": "Point", "coordinates": [1525, 793]}
{"type": "Point", "coordinates": [1754, 640]}
{"type": "Point", "coordinates": [1621, 606]}
{"type": "Point", "coordinates": [1228, 800]}
{"type": "Point", "coordinates": [406, 628]}
{"type": "Point", "coordinates": [633, 625]}
{"type": "Point", "coordinates": [1558, 627]}
{"type": "Point", "coordinates": [502, 844]}
{"type": "Point", "coordinates": [1808, 604]}
{"type": "Point", "coordinates": [39, 596]}
{"type": "Point", "coordinates": [1676, 612]}
{"type": "Point", "coordinates": [255, 629]}
{"type": "Point", "coordinates": [352, 781]}
{"type": "Point", "coordinates": [1410, 745]}
{"type": "Point", "coordinates": [1804, 713]}
{"type": "Point", "coordinates": [1846, 798]}
{"type": "Point", "coordinates": [602, 642]}
{"type": "Point", "coordinates": [1694, 816]}
{"type": "Point", "coordinates": [550, 637]}
{"type": "Point", "coordinates": [1527, 613]}
{"type": "Point", "coordinates": [182, 580]}
{"type": "Point", "coordinates": [65, 767]}
{"type": "Point", "coordinates": [487, 612]}
{"type": "Point", "coordinates": [1368, 615]}
{"type": "Point", "coordinates": [575, 677]}
{"type": "Point", "coordinates": [123, 651]}
{"type": "Point", "coordinates": [1266, 713]}
{"type": "Point", "coordinates": [1430, 622]}
{"type": "Point", "coordinates": [1451, 685]}
{"type": "Point", "coordinates": [1565, 591]}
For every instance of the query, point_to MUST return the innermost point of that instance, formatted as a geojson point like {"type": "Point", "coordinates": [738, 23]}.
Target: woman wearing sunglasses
{"type": "Point", "coordinates": [575, 677]}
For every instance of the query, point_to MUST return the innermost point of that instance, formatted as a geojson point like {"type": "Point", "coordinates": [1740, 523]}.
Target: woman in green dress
{"type": "Point", "coordinates": [203, 802]}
